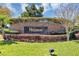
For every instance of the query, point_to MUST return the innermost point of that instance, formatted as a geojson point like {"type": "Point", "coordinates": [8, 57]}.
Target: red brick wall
{"type": "Point", "coordinates": [36, 38]}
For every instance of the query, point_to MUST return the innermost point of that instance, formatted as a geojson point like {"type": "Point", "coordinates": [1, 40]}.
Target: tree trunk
{"type": "Point", "coordinates": [2, 28]}
{"type": "Point", "coordinates": [3, 34]}
{"type": "Point", "coordinates": [67, 33]}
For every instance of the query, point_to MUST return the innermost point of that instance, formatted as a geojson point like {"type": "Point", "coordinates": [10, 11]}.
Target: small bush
{"type": "Point", "coordinates": [72, 36]}
{"type": "Point", "coordinates": [8, 31]}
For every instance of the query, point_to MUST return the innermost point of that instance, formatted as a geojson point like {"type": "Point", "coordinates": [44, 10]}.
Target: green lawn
{"type": "Point", "coordinates": [39, 49]}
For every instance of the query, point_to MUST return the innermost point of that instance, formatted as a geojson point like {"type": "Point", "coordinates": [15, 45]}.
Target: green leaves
{"type": "Point", "coordinates": [33, 11]}
{"type": "Point", "coordinates": [5, 14]}
{"type": "Point", "coordinates": [5, 19]}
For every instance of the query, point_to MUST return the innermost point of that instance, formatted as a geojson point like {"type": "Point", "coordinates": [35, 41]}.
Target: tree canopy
{"type": "Point", "coordinates": [68, 12]}
{"type": "Point", "coordinates": [5, 11]}
{"type": "Point", "coordinates": [32, 11]}
{"type": "Point", "coordinates": [5, 14]}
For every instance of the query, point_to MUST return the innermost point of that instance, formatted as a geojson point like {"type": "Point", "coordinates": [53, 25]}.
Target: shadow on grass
{"type": "Point", "coordinates": [54, 55]}
{"type": "Point", "coordinates": [77, 41]}
{"type": "Point", "coordinates": [7, 42]}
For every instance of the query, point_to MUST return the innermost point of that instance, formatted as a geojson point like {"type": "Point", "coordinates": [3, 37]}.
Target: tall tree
{"type": "Point", "coordinates": [68, 12]}
{"type": "Point", "coordinates": [4, 17]}
{"type": "Point", "coordinates": [33, 11]}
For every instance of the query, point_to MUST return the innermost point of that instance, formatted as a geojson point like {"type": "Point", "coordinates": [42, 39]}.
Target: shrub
{"type": "Point", "coordinates": [72, 36]}
{"type": "Point", "coordinates": [8, 31]}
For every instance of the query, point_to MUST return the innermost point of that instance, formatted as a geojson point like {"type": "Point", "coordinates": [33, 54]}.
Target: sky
{"type": "Point", "coordinates": [18, 8]}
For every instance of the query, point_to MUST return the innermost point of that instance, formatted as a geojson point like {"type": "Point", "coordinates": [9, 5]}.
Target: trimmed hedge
{"type": "Point", "coordinates": [8, 31]}
{"type": "Point", "coordinates": [35, 38]}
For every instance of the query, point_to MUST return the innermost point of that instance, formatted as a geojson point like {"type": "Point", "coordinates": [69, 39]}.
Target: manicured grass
{"type": "Point", "coordinates": [70, 48]}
